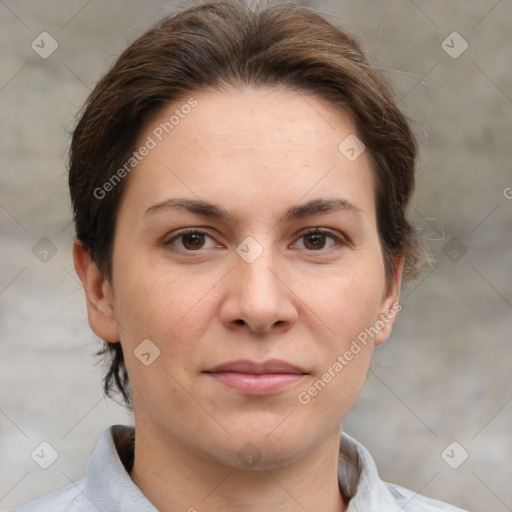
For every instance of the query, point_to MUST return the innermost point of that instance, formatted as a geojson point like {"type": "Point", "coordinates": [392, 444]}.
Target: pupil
{"type": "Point", "coordinates": [318, 239]}
{"type": "Point", "coordinates": [193, 240]}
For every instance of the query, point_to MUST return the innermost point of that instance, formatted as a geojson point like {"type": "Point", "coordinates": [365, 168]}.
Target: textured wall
{"type": "Point", "coordinates": [444, 376]}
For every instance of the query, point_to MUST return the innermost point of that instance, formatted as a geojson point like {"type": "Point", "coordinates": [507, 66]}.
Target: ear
{"type": "Point", "coordinates": [390, 306]}
{"type": "Point", "coordinates": [98, 293]}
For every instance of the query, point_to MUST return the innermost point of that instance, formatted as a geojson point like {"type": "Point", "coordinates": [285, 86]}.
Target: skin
{"type": "Point", "coordinates": [256, 154]}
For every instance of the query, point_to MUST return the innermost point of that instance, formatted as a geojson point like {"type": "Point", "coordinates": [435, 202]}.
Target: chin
{"type": "Point", "coordinates": [264, 449]}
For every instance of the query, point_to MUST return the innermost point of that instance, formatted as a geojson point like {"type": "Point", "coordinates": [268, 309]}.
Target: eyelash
{"type": "Point", "coordinates": [339, 241]}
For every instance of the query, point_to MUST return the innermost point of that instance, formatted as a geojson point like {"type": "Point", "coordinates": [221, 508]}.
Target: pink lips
{"type": "Point", "coordinates": [256, 378]}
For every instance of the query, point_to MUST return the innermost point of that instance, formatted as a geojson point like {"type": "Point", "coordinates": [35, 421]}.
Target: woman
{"type": "Point", "coordinates": [239, 181]}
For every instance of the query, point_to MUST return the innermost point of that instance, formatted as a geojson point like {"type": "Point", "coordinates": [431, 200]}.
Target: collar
{"type": "Point", "coordinates": [108, 482]}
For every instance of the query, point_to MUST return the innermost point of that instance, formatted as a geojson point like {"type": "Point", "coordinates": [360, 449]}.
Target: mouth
{"type": "Point", "coordinates": [253, 378]}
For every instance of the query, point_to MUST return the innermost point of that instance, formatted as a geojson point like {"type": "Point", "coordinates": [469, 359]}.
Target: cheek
{"type": "Point", "coordinates": [151, 303]}
{"type": "Point", "coordinates": [348, 299]}
{"type": "Point", "coordinates": [170, 314]}
{"type": "Point", "coordinates": [349, 306]}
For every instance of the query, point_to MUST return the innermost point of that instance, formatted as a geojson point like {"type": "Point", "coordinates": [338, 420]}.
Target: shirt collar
{"type": "Point", "coordinates": [108, 483]}
{"type": "Point", "coordinates": [372, 494]}
{"type": "Point", "coordinates": [109, 486]}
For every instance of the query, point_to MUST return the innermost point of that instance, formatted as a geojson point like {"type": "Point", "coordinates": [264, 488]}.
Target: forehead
{"type": "Point", "coordinates": [236, 144]}
{"type": "Point", "coordinates": [239, 118]}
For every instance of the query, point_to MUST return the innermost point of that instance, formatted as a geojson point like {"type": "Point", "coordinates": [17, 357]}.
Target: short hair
{"type": "Point", "coordinates": [223, 44]}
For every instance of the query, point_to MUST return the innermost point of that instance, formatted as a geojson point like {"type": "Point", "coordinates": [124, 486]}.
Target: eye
{"type": "Point", "coordinates": [317, 239]}
{"type": "Point", "coordinates": [314, 240]}
{"type": "Point", "coordinates": [191, 240]}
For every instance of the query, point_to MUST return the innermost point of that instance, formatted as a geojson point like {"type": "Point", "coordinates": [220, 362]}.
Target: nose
{"type": "Point", "coordinates": [259, 296]}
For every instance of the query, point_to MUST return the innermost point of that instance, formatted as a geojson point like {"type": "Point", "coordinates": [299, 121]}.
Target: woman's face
{"type": "Point", "coordinates": [282, 261]}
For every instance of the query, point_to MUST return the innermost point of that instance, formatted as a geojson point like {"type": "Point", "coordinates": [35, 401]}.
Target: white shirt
{"type": "Point", "coordinates": [107, 486]}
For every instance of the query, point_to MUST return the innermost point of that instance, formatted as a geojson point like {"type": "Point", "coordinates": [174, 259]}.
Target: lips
{"type": "Point", "coordinates": [252, 367]}
{"type": "Point", "coordinates": [253, 378]}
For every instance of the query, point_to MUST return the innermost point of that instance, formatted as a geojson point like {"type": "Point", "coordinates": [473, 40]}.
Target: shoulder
{"type": "Point", "coordinates": [373, 494]}
{"type": "Point", "coordinates": [106, 485]}
{"type": "Point", "coordinates": [69, 499]}
{"type": "Point", "coordinates": [413, 502]}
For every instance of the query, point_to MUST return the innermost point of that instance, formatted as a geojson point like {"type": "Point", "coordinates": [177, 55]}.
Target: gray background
{"type": "Point", "coordinates": [444, 375]}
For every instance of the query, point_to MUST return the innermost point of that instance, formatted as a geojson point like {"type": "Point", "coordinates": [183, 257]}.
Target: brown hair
{"type": "Point", "coordinates": [226, 43]}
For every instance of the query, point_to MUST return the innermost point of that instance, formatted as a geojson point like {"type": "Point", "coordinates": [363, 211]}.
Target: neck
{"type": "Point", "coordinates": [174, 477]}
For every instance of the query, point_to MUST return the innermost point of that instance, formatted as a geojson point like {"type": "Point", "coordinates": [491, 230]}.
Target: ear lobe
{"type": "Point", "coordinates": [98, 294]}
{"type": "Point", "coordinates": [390, 303]}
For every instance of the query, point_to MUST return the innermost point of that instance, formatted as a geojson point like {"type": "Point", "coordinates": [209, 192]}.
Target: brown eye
{"type": "Point", "coordinates": [317, 240]}
{"type": "Point", "coordinates": [192, 240]}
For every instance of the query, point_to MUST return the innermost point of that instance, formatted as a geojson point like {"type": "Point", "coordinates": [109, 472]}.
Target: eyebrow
{"type": "Point", "coordinates": [206, 209]}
